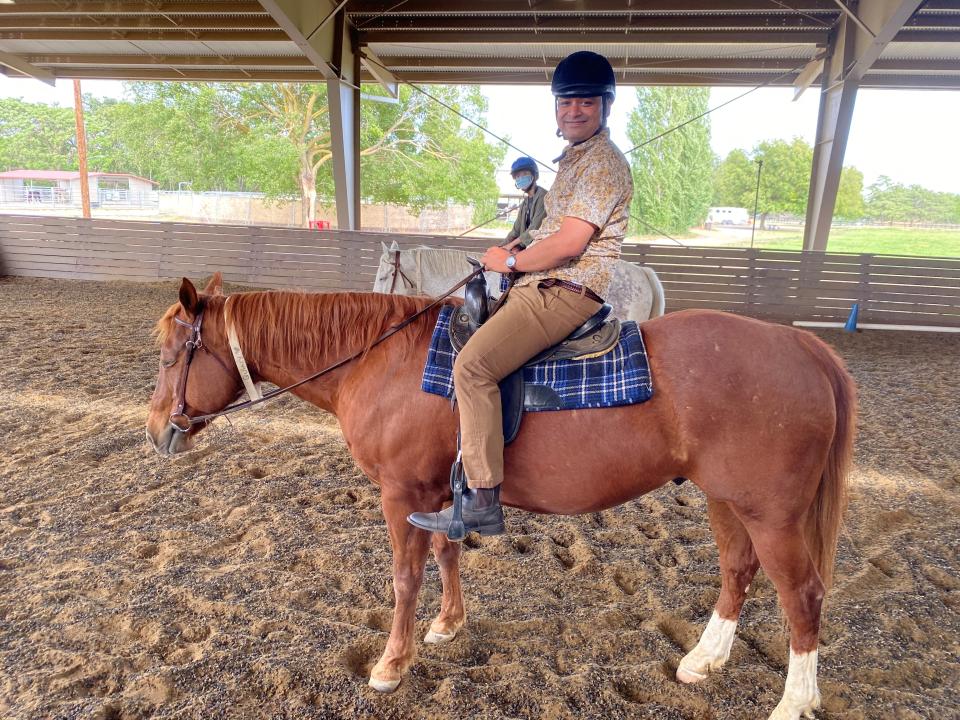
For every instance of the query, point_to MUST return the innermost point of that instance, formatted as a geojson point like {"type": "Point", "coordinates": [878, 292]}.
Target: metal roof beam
{"type": "Point", "coordinates": [171, 60]}
{"type": "Point", "coordinates": [889, 17]}
{"type": "Point", "coordinates": [399, 63]}
{"type": "Point", "coordinates": [307, 23]}
{"type": "Point", "coordinates": [163, 35]}
{"type": "Point", "coordinates": [181, 74]}
{"type": "Point", "coordinates": [139, 22]}
{"type": "Point", "coordinates": [358, 8]}
{"type": "Point", "coordinates": [17, 63]}
{"type": "Point", "coordinates": [343, 102]}
{"type": "Point", "coordinates": [927, 36]}
{"type": "Point", "coordinates": [144, 7]}
{"type": "Point", "coordinates": [531, 77]}
{"type": "Point", "coordinates": [378, 69]}
{"type": "Point", "coordinates": [615, 22]}
{"type": "Point", "coordinates": [526, 37]}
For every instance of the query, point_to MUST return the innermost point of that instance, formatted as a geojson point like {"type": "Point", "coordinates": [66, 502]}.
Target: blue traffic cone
{"type": "Point", "coordinates": [851, 324]}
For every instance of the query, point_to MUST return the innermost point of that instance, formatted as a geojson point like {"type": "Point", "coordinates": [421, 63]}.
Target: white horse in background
{"type": "Point", "coordinates": [635, 291]}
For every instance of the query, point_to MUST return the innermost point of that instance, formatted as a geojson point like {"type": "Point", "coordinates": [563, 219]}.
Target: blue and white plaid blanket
{"type": "Point", "coordinates": [619, 377]}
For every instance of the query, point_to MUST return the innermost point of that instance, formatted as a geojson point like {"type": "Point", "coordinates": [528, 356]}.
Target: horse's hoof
{"type": "Point", "coordinates": [688, 677]}
{"type": "Point", "coordinates": [384, 686]}
{"type": "Point", "coordinates": [435, 638]}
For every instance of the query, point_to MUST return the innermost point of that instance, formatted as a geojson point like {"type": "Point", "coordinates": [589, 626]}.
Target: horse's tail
{"type": "Point", "coordinates": [825, 517]}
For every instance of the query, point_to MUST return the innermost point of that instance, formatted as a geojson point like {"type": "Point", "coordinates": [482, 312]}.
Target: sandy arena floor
{"type": "Point", "coordinates": [251, 578]}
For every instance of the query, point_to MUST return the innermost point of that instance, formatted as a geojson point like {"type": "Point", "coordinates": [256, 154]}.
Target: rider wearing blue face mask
{"type": "Point", "coordinates": [532, 209]}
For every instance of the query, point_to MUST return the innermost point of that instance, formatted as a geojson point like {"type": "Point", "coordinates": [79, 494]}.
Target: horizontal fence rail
{"type": "Point", "coordinates": [779, 285]}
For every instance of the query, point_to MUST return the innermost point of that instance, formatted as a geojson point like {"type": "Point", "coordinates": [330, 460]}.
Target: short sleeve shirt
{"type": "Point", "coordinates": [593, 183]}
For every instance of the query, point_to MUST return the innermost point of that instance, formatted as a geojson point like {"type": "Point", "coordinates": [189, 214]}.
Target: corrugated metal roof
{"type": "Point", "coordinates": [62, 175]}
{"type": "Point", "coordinates": [707, 42]}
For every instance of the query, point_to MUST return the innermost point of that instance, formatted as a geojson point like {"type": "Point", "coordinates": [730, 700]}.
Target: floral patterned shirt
{"type": "Point", "coordinates": [594, 184]}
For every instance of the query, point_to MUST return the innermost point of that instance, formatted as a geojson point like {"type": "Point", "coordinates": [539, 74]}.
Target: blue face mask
{"type": "Point", "coordinates": [523, 182]}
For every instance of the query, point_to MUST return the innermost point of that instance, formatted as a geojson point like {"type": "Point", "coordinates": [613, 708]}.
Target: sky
{"type": "Point", "coordinates": [909, 135]}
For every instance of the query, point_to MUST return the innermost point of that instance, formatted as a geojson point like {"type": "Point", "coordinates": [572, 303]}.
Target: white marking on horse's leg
{"type": "Point", "coordinates": [380, 679]}
{"type": "Point", "coordinates": [711, 652]}
{"type": "Point", "coordinates": [435, 638]}
{"type": "Point", "coordinates": [384, 686]}
{"type": "Point", "coordinates": [800, 695]}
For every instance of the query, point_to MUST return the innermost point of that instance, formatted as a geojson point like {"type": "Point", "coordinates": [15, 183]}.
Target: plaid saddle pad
{"type": "Point", "coordinates": [619, 377]}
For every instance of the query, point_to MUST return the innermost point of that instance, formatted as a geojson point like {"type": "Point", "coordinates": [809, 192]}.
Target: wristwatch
{"type": "Point", "coordinates": [511, 261]}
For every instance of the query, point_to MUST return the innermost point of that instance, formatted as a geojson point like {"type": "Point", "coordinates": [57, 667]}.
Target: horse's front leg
{"type": "Point", "coordinates": [410, 547]}
{"type": "Point", "coordinates": [452, 614]}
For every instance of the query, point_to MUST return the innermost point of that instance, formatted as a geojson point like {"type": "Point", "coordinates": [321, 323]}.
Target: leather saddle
{"type": "Point", "coordinates": [597, 335]}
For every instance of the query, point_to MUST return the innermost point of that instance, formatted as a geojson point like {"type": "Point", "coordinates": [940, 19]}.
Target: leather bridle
{"type": "Point", "coordinates": [181, 422]}
{"type": "Point", "coordinates": [398, 272]}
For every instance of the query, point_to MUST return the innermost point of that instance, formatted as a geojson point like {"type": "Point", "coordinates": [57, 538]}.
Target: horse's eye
{"type": "Point", "coordinates": [167, 363]}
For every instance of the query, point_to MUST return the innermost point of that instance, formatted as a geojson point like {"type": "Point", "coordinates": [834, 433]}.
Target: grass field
{"type": "Point", "coordinates": [876, 240]}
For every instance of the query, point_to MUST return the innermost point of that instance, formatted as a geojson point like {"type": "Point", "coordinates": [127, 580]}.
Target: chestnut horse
{"type": "Point", "coordinates": [759, 416]}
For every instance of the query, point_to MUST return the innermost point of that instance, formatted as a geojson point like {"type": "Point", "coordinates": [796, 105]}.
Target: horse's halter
{"type": "Point", "coordinates": [179, 420]}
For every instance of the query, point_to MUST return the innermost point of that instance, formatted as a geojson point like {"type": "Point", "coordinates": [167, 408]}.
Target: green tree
{"type": "Point", "coordinates": [672, 175]}
{"type": "Point", "coordinates": [784, 181]}
{"type": "Point", "coordinates": [172, 133]}
{"type": "Point", "coordinates": [428, 156]}
{"type": "Point", "coordinates": [734, 177]}
{"type": "Point", "coordinates": [888, 201]}
{"type": "Point", "coordinates": [36, 136]}
{"type": "Point", "coordinates": [275, 138]}
{"type": "Point", "coordinates": [850, 205]}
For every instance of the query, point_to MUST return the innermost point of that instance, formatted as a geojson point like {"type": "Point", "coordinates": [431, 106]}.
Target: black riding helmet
{"type": "Point", "coordinates": [584, 74]}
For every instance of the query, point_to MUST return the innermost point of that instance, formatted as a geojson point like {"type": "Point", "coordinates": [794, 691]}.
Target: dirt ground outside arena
{"type": "Point", "coordinates": [251, 578]}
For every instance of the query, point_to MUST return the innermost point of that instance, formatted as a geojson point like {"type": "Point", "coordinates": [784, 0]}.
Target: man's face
{"type": "Point", "coordinates": [579, 118]}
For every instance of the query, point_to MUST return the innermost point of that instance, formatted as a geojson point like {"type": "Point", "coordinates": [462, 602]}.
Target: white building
{"type": "Point", "coordinates": [62, 188]}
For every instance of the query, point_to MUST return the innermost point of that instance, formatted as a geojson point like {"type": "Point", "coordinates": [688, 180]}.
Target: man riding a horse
{"type": "Point", "coordinates": [566, 271]}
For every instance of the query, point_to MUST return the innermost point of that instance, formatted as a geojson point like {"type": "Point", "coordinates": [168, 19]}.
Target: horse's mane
{"type": "Point", "coordinates": [443, 262]}
{"type": "Point", "coordinates": [289, 326]}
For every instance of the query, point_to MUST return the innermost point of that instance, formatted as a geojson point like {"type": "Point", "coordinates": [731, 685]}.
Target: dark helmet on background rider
{"type": "Point", "coordinates": [525, 163]}
{"type": "Point", "coordinates": [584, 74]}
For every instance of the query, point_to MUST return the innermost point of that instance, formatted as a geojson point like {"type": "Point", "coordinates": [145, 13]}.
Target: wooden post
{"type": "Point", "coordinates": [81, 148]}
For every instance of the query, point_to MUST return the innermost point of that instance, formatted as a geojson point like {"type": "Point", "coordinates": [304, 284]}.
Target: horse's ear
{"type": "Point", "coordinates": [394, 247]}
{"type": "Point", "coordinates": [384, 246]}
{"type": "Point", "coordinates": [215, 286]}
{"type": "Point", "coordinates": [188, 297]}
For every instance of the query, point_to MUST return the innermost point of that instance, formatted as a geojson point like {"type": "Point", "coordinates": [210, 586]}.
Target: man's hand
{"type": "Point", "coordinates": [495, 258]}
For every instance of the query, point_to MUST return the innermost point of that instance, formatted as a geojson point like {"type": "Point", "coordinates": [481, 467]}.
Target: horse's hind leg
{"type": "Point", "coordinates": [452, 614]}
{"type": "Point", "coordinates": [786, 560]}
{"type": "Point", "coordinates": [738, 564]}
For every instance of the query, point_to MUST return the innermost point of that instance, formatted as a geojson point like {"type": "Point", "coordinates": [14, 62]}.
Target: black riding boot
{"type": "Point", "coordinates": [481, 513]}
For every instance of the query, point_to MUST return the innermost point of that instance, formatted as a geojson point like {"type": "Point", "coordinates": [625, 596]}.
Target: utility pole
{"type": "Point", "coordinates": [81, 148]}
{"type": "Point", "coordinates": [756, 201]}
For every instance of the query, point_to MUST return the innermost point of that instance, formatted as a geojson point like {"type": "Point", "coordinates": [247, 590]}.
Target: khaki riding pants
{"type": "Point", "coordinates": [531, 320]}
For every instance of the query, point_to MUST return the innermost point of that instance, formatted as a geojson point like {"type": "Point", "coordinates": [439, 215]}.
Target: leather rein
{"type": "Point", "coordinates": [181, 422]}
